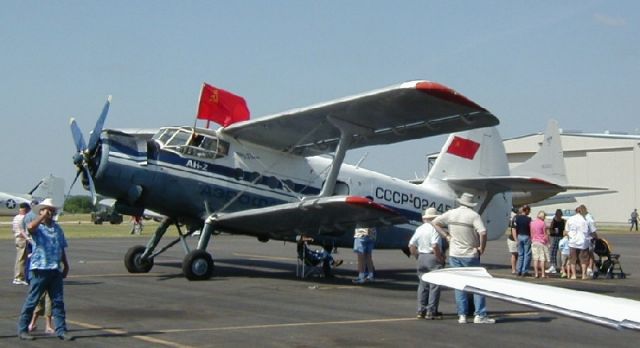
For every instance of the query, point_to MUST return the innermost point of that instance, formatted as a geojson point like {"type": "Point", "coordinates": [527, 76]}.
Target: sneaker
{"type": "Point", "coordinates": [462, 319]}
{"type": "Point", "coordinates": [19, 282]}
{"type": "Point", "coordinates": [563, 275]}
{"type": "Point", "coordinates": [369, 279]}
{"type": "Point", "coordinates": [66, 337]}
{"type": "Point", "coordinates": [483, 320]}
{"type": "Point", "coordinates": [421, 315]}
{"type": "Point", "coordinates": [433, 315]}
{"type": "Point", "coordinates": [25, 336]}
{"type": "Point", "coordinates": [358, 281]}
{"type": "Point", "coordinates": [589, 272]}
{"type": "Point", "coordinates": [551, 270]}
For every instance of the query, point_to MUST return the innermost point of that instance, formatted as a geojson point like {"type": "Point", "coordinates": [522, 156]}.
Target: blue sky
{"type": "Point", "coordinates": [526, 61]}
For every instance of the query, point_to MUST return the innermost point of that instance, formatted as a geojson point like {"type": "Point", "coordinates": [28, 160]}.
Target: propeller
{"type": "Point", "coordinates": [84, 152]}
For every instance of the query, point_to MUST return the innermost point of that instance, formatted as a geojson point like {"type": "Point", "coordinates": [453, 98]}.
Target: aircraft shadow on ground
{"type": "Point", "coordinates": [393, 279]}
{"type": "Point", "coordinates": [80, 283]}
{"type": "Point", "coordinates": [517, 317]}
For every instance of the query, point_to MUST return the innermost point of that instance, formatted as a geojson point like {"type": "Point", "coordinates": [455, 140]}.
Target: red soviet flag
{"type": "Point", "coordinates": [462, 147]}
{"type": "Point", "coordinates": [220, 106]}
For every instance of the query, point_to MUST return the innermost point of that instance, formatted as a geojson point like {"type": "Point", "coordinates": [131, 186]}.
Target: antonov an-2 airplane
{"type": "Point", "coordinates": [282, 175]}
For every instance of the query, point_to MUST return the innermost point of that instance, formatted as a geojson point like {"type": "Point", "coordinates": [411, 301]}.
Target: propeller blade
{"type": "Point", "coordinates": [76, 133]}
{"type": "Point", "coordinates": [92, 187]}
{"type": "Point", "coordinates": [95, 134]}
{"type": "Point", "coordinates": [73, 183]}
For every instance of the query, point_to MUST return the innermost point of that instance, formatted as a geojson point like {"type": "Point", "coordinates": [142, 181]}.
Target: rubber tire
{"type": "Point", "coordinates": [132, 260]}
{"type": "Point", "coordinates": [198, 265]}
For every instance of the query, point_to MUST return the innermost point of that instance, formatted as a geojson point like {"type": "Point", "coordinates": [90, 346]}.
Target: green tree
{"type": "Point", "coordinates": [78, 205]}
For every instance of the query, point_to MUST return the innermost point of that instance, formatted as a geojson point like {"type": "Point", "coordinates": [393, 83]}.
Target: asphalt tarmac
{"type": "Point", "coordinates": [256, 300]}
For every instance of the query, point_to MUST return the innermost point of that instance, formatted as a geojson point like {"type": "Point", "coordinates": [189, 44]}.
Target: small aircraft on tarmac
{"type": "Point", "coordinates": [282, 175]}
{"type": "Point", "coordinates": [49, 186]}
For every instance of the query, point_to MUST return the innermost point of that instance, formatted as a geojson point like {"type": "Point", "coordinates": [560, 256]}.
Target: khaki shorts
{"type": "Point", "coordinates": [512, 245]}
{"type": "Point", "coordinates": [540, 252]}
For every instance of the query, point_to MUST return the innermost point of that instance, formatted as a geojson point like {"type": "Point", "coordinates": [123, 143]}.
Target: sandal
{"type": "Point", "coordinates": [49, 331]}
{"type": "Point", "coordinates": [32, 327]}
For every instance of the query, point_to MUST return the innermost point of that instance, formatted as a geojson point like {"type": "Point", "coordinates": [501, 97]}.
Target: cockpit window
{"type": "Point", "coordinates": [186, 142]}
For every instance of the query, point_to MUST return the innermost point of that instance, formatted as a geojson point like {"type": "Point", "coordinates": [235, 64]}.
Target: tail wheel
{"type": "Point", "coordinates": [198, 265]}
{"type": "Point", "coordinates": [133, 260]}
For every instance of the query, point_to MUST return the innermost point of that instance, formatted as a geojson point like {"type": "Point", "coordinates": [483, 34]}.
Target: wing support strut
{"type": "Point", "coordinates": [347, 131]}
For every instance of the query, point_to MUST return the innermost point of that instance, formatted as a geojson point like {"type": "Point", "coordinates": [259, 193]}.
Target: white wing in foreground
{"type": "Point", "coordinates": [604, 310]}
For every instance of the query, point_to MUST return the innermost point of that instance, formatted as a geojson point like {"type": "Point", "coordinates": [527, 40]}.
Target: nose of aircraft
{"type": "Point", "coordinates": [85, 152]}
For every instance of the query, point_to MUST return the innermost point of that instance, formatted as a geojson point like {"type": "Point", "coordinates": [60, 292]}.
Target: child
{"type": "Point", "coordinates": [564, 253]}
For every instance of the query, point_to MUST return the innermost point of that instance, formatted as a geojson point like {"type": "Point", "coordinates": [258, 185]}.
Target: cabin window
{"type": "Point", "coordinates": [186, 142]}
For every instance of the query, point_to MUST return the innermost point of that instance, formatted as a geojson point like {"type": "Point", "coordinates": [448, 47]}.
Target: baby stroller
{"type": "Point", "coordinates": [607, 264]}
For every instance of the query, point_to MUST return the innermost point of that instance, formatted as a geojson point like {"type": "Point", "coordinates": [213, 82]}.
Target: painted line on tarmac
{"type": "Point", "coordinates": [321, 323]}
{"type": "Point", "coordinates": [285, 325]}
{"type": "Point", "coordinates": [126, 333]}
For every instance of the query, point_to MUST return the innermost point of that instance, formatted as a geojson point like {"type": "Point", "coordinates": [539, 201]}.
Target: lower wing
{"type": "Point", "coordinates": [610, 311]}
{"type": "Point", "coordinates": [324, 215]}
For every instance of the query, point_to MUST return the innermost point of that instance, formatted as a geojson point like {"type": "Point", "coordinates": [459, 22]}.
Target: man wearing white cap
{"type": "Point", "coordinates": [48, 252]}
{"type": "Point", "coordinates": [425, 246]}
{"type": "Point", "coordinates": [467, 238]}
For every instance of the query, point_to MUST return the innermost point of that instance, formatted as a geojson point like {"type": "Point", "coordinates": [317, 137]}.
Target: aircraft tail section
{"type": "Point", "coordinates": [474, 153]}
{"type": "Point", "coordinates": [471, 161]}
{"type": "Point", "coordinates": [49, 187]}
{"type": "Point", "coordinates": [548, 163]}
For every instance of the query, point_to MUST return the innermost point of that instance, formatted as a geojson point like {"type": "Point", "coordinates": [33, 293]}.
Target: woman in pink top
{"type": "Point", "coordinates": [539, 244]}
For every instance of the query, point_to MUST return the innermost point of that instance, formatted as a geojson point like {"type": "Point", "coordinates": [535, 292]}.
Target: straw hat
{"type": "Point", "coordinates": [468, 200]}
{"type": "Point", "coordinates": [46, 203]}
{"type": "Point", "coordinates": [430, 213]}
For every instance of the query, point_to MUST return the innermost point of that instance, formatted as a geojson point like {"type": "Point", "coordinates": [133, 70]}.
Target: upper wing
{"type": "Point", "coordinates": [336, 214]}
{"type": "Point", "coordinates": [610, 311]}
{"type": "Point", "coordinates": [402, 112]}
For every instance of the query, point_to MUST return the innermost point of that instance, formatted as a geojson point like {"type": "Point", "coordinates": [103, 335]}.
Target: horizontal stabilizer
{"type": "Point", "coordinates": [504, 184]}
{"type": "Point", "coordinates": [328, 215]}
{"type": "Point", "coordinates": [570, 197]}
{"type": "Point", "coordinates": [614, 312]}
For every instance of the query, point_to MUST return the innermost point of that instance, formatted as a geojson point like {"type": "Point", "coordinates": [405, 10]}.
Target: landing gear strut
{"type": "Point", "coordinates": [197, 264]}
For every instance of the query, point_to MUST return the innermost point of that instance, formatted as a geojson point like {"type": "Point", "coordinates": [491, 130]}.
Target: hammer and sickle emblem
{"type": "Point", "coordinates": [214, 97]}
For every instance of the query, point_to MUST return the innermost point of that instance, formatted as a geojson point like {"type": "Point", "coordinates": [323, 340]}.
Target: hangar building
{"type": "Point", "coordinates": [606, 160]}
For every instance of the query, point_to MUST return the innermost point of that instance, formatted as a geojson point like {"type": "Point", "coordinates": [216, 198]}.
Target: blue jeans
{"type": "Point", "coordinates": [524, 253]}
{"type": "Point", "coordinates": [41, 281]}
{"type": "Point", "coordinates": [479, 301]}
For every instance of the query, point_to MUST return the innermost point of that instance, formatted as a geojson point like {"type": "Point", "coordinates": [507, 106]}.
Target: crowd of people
{"type": "Point", "coordinates": [534, 241]}
{"type": "Point", "coordinates": [564, 246]}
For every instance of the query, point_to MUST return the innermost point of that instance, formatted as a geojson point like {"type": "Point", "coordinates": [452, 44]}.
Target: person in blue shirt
{"type": "Point", "coordinates": [47, 257]}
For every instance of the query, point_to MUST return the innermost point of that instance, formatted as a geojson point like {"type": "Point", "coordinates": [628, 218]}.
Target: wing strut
{"type": "Point", "coordinates": [347, 130]}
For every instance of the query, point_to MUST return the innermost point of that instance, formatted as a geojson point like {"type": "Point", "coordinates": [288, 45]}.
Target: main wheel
{"type": "Point", "coordinates": [133, 261]}
{"type": "Point", "coordinates": [198, 265]}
